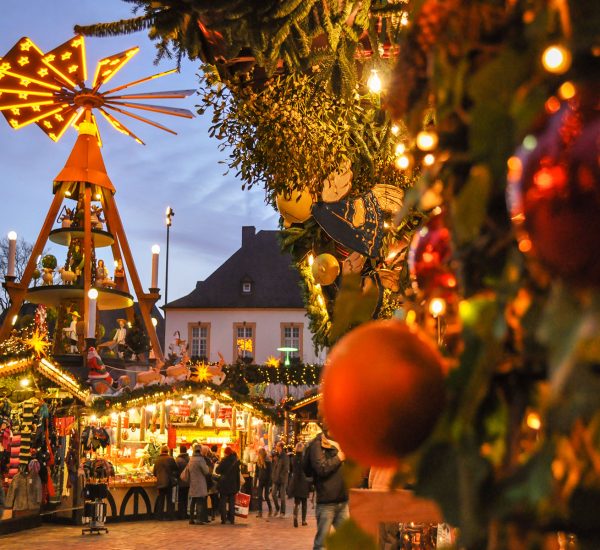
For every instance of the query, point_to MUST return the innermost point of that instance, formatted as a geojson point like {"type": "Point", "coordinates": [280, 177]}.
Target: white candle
{"type": "Point", "coordinates": [155, 252]}
{"type": "Point", "coordinates": [92, 298]}
{"type": "Point", "coordinates": [12, 253]}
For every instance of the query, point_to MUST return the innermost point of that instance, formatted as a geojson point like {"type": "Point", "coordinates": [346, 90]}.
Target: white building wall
{"type": "Point", "coordinates": [267, 336]}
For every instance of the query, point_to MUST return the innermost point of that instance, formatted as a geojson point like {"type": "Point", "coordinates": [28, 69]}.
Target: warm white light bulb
{"type": "Point", "coordinates": [556, 59]}
{"type": "Point", "coordinates": [403, 162]}
{"type": "Point", "coordinates": [428, 159]}
{"type": "Point", "coordinates": [400, 148]}
{"type": "Point", "coordinates": [427, 140]}
{"type": "Point", "coordinates": [12, 235]}
{"type": "Point", "coordinates": [437, 306]}
{"type": "Point", "coordinates": [93, 294]}
{"type": "Point", "coordinates": [154, 321]}
{"type": "Point", "coordinates": [374, 82]}
{"type": "Point", "coordinates": [155, 249]}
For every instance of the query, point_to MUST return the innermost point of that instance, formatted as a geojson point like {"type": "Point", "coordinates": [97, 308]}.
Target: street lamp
{"type": "Point", "coordinates": [168, 221]}
{"type": "Point", "coordinates": [287, 352]}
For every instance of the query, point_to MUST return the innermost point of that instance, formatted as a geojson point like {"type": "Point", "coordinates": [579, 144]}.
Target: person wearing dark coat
{"type": "Point", "coordinates": [281, 473]}
{"type": "Point", "coordinates": [166, 473]}
{"type": "Point", "coordinates": [263, 474]}
{"type": "Point", "coordinates": [326, 461]}
{"type": "Point", "coordinates": [299, 486]}
{"type": "Point", "coordinates": [183, 487]}
{"type": "Point", "coordinates": [228, 484]}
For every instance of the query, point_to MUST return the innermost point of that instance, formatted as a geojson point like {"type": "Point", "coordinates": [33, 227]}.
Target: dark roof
{"type": "Point", "coordinates": [274, 280]}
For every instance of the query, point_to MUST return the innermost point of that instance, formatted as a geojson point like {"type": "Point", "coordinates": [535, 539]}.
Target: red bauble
{"type": "Point", "coordinates": [383, 390]}
{"type": "Point", "coordinates": [430, 256]}
{"type": "Point", "coordinates": [554, 196]}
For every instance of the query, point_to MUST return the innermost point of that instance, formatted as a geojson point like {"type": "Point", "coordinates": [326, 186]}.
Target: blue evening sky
{"type": "Point", "coordinates": [181, 171]}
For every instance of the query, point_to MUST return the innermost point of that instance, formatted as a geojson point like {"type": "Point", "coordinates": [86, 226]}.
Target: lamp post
{"type": "Point", "coordinates": [168, 221]}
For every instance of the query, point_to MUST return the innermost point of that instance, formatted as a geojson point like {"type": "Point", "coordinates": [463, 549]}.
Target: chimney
{"type": "Point", "coordinates": [248, 232]}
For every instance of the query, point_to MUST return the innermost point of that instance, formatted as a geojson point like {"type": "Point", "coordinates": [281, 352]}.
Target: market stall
{"type": "Point", "coordinates": [40, 405]}
{"type": "Point", "coordinates": [127, 433]}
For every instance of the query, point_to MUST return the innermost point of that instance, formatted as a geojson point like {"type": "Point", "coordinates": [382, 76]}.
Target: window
{"type": "Point", "coordinates": [199, 338]}
{"type": "Point", "coordinates": [244, 340]}
{"type": "Point", "coordinates": [291, 337]}
{"type": "Point", "coordinates": [246, 288]}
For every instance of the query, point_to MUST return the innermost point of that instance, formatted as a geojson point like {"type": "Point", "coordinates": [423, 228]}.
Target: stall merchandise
{"type": "Point", "coordinates": [125, 441]}
{"type": "Point", "coordinates": [39, 408]}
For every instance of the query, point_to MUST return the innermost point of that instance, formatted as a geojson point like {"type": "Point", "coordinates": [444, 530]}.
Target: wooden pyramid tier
{"type": "Point", "coordinates": [64, 236]}
{"type": "Point", "coordinates": [54, 295]}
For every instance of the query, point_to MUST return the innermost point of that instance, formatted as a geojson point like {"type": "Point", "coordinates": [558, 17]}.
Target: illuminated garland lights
{"type": "Point", "coordinates": [235, 388]}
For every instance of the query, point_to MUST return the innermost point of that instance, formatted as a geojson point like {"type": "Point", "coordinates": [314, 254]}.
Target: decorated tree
{"type": "Point", "coordinates": [468, 103]}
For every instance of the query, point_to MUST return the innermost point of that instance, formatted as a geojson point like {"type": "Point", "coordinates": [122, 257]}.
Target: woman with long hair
{"type": "Point", "coordinates": [299, 486]}
{"type": "Point", "coordinates": [264, 477]}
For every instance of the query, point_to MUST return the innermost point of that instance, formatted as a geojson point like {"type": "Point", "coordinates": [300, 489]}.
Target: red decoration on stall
{"type": "Point", "coordinates": [171, 437]}
{"type": "Point", "coordinates": [225, 413]}
{"type": "Point", "coordinates": [554, 194]}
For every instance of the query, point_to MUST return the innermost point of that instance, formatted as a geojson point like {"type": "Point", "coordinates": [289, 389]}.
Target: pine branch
{"type": "Point", "coordinates": [117, 28]}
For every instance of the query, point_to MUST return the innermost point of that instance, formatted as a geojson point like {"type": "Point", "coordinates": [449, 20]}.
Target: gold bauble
{"type": "Point", "coordinates": [294, 206]}
{"type": "Point", "coordinates": [325, 269]}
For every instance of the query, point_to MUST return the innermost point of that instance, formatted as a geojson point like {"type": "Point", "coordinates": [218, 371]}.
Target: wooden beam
{"type": "Point", "coordinates": [146, 300]}
{"type": "Point", "coordinates": [87, 253]}
{"type": "Point", "coordinates": [18, 291]}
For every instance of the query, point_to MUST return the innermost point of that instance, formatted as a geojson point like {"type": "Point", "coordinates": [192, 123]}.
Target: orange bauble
{"type": "Point", "coordinates": [383, 391]}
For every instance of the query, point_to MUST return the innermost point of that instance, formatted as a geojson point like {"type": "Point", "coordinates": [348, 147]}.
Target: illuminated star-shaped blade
{"type": "Point", "coordinates": [10, 101]}
{"type": "Point", "coordinates": [24, 61]}
{"type": "Point", "coordinates": [110, 66]}
{"type": "Point", "coordinates": [18, 118]}
{"type": "Point", "coordinates": [38, 343]}
{"type": "Point", "coordinates": [50, 90]}
{"type": "Point", "coordinates": [68, 61]}
{"type": "Point", "coordinates": [54, 126]}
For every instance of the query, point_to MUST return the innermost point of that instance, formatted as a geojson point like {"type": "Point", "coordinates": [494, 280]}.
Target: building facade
{"type": "Point", "coordinates": [250, 306]}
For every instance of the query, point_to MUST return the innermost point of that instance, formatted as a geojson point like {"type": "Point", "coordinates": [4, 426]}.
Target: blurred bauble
{"type": "Point", "coordinates": [294, 206]}
{"type": "Point", "coordinates": [325, 269]}
{"type": "Point", "coordinates": [431, 254]}
{"type": "Point", "coordinates": [554, 195]}
{"type": "Point", "coordinates": [383, 391]}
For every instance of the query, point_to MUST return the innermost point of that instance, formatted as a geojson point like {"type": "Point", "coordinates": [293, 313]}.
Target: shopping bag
{"type": "Point", "coordinates": [242, 505]}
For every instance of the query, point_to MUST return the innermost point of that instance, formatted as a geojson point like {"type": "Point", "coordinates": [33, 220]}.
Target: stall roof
{"type": "Point", "coordinates": [49, 370]}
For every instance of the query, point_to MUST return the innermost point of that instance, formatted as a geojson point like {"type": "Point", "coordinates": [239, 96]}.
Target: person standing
{"type": "Point", "coordinates": [281, 473]}
{"type": "Point", "coordinates": [212, 459]}
{"type": "Point", "coordinates": [166, 473]}
{"type": "Point", "coordinates": [325, 460]}
{"type": "Point", "coordinates": [264, 472]}
{"type": "Point", "coordinates": [300, 485]}
{"type": "Point", "coordinates": [183, 485]}
{"type": "Point", "coordinates": [228, 484]}
{"type": "Point", "coordinates": [198, 470]}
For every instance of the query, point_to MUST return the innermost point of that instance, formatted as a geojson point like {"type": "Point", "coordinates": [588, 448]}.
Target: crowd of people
{"type": "Point", "coordinates": [194, 480]}
{"type": "Point", "coordinates": [205, 487]}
